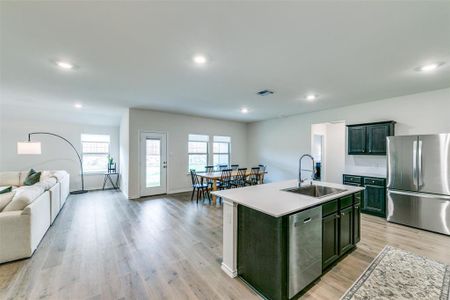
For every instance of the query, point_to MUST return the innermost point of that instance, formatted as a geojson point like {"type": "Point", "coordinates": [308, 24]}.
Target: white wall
{"type": "Point", "coordinates": [124, 137]}
{"type": "Point", "coordinates": [335, 152]}
{"type": "Point", "coordinates": [280, 142]}
{"type": "Point", "coordinates": [56, 154]}
{"type": "Point", "coordinates": [178, 127]}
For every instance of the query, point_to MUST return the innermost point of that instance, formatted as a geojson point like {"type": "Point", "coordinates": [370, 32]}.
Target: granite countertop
{"type": "Point", "coordinates": [270, 199]}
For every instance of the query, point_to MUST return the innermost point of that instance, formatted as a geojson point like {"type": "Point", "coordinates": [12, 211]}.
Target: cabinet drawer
{"type": "Point", "coordinates": [352, 179]}
{"type": "Point", "coordinates": [357, 197]}
{"type": "Point", "coordinates": [329, 208]}
{"type": "Point", "coordinates": [375, 181]}
{"type": "Point", "coordinates": [346, 201]}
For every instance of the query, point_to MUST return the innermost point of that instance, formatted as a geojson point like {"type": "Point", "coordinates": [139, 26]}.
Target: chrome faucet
{"type": "Point", "coordinates": [300, 180]}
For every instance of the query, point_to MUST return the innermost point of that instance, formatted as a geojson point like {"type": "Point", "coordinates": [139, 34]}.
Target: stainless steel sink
{"type": "Point", "coordinates": [316, 191]}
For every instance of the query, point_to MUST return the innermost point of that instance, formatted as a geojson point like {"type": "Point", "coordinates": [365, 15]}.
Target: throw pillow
{"type": "Point", "coordinates": [4, 190]}
{"type": "Point", "coordinates": [32, 178]}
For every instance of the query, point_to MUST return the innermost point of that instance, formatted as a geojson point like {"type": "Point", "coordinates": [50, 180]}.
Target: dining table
{"type": "Point", "coordinates": [215, 176]}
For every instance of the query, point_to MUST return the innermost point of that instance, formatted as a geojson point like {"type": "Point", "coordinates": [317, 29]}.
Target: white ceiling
{"type": "Point", "coordinates": [138, 54]}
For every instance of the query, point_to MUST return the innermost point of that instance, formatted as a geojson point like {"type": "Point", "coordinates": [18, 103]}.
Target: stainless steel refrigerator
{"type": "Point", "coordinates": [418, 181]}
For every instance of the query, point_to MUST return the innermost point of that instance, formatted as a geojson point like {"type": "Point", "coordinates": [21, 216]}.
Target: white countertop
{"type": "Point", "coordinates": [270, 199]}
{"type": "Point", "coordinates": [365, 174]}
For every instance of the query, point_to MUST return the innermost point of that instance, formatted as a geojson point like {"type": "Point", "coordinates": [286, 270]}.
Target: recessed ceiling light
{"type": "Point", "coordinates": [64, 65]}
{"type": "Point", "coordinates": [244, 110]}
{"type": "Point", "coordinates": [199, 59]}
{"type": "Point", "coordinates": [429, 67]}
{"type": "Point", "coordinates": [311, 97]}
{"type": "Point", "coordinates": [78, 105]}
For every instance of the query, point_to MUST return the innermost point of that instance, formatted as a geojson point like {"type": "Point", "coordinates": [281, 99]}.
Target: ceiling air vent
{"type": "Point", "coordinates": [265, 92]}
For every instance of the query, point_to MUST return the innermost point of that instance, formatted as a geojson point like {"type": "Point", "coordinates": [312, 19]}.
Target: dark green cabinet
{"type": "Point", "coordinates": [357, 218]}
{"type": "Point", "coordinates": [340, 227]}
{"type": "Point", "coordinates": [356, 139]}
{"type": "Point", "coordinates": [263, 244]}
{"type": "Point", "coordinates": [262, 252]}
{"type": "Point", "coordinates": [375, 200]}
{"type": "Point", "coordinates": [346, 230]}
{"type": "Point", "coordinates": [330, 239]}
{"type": "Point", "coordinates": [370, 138]}
{"type": "Point", "coordinates": [376, 138]}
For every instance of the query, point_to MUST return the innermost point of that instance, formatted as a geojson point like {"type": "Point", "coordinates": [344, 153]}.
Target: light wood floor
{"type": "Point", "coordinates": [103, 246]}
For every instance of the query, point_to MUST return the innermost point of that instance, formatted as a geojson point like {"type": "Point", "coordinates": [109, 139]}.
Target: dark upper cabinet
{"type": "Point", "coordinates": [357, 140]}
{"type": "Point", "coordinates": [369, 139]}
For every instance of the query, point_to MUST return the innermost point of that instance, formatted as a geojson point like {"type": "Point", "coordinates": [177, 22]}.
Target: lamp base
{"type": "Point", "coordinates": [78, 192]}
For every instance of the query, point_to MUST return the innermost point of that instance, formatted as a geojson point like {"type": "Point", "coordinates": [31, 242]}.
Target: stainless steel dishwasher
{"type": "Point", "coordinates": [305, 249]}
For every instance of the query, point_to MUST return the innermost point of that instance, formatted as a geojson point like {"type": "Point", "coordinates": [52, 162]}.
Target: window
{"type": "Point", "coordinates": [198, 152]}
{"type": "Point", "coordinates": [221, 150]}
{"type": "Point", "coordinates": [95, 152]}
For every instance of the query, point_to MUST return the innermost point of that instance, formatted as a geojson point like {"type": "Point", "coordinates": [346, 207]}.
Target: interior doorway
{"type": "Point", "coordinates": [328, 150]}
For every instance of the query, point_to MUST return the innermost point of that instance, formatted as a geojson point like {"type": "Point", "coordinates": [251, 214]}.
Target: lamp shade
{"type": "Point", "coordinates": [29, 148]}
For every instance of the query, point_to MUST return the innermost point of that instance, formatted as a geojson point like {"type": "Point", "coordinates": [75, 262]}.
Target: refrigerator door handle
{"type": "Point", "coordinates": [414, 168]}
{"type": "Point", "coordinates": [422, 195]}
{"type": "Point", "coordinates": [419, 165]}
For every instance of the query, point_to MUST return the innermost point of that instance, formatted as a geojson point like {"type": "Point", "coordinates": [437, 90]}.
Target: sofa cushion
{"type": "Point", "coordinates": [47, 183]}
{"type": "Point", "coordinates": [9, 178]}
{"type": "Point", "coordinates": [5, 198]}
{"type": "Point", "coordinates": [24, 196]}
{"type": "Point", "coordinates": [32, 178]}
{"type": "Point", "coordinates": [5, 189]}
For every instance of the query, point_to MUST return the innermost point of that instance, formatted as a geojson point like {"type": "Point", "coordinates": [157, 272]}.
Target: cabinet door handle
{"type": "Point", "coordinates": [307, 220]}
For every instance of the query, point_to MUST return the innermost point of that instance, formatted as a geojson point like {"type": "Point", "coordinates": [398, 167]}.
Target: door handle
{"type": "Point", "coordinates": [414, 165]}
{"type": "Point", "coordinates": [421, 195]}
{"type": "Point", "coordinates": [419, 164]}
{"type": "Point", "coordinates": [307, 220]}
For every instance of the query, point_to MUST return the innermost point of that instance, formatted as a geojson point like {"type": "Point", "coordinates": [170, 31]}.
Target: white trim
{"type": "Point", "coordinates": [228, 271]}
{"type": "Point", "coordinates": [229, 247]}
{"type": "Point", "coordinates": [176, 191]}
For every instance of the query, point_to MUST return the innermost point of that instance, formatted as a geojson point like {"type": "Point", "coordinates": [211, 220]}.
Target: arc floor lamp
{"type": "Point", "coordinates": [30, 147]}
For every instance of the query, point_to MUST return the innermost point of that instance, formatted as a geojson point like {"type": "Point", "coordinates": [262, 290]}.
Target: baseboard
{"type": "Point", "coordinates": [179, 191]}
{"type": "Point", "coordinates": [228, 271]}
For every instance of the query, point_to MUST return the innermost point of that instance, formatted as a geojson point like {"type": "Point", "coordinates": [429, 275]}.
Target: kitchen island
{"type": "Point", "coordinates": [279, 241]}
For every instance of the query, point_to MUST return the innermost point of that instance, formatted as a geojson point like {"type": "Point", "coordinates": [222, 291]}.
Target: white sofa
{"type": "Point", "coordinates": [30, 211]}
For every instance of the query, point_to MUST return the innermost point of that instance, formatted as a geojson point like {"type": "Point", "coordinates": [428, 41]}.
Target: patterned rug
{"type": "Point", "coordinates": [397, 274]}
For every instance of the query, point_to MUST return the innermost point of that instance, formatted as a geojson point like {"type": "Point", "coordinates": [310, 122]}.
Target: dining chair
{"type": "Point", "coordinates": [200, 187]}
{"type": "Point", "coordinates": [209, 169]}
{"type": "Point", "coordinates": [262, 169]}
{"type": "Point", "coordinates": [223, 167]}
{"type": "Point", "coordinates": [234, 167]}
{"type": "Point", "coordinates": [253, 178]}
{"type": "Point", "coordinates": [225, 180]}
{"type": "Point", "coordinates": [239, 179]}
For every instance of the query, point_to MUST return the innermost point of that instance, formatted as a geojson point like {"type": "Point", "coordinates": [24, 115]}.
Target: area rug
{"type": "Point", "coordinates": [398, 274]}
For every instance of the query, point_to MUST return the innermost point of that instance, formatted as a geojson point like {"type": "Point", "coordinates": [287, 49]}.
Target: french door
{"type": "Point", "coordinates": [153, 163]}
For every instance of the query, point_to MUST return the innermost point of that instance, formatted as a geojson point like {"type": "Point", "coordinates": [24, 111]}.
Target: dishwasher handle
{"type": "Point", "coordinates": [306, 220]}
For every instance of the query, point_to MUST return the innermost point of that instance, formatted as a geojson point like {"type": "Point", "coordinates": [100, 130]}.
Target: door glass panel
{"type": "Point", "coordinates": [153, 163]}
